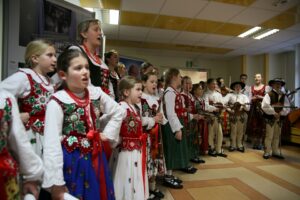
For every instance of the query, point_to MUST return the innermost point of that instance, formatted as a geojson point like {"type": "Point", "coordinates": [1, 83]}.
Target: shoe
{"type": "Point", "coordinates": [212, 153]}
{"type": "Point", "coordinates": [189, 170]}
{"type": "Point", "coordinates": [222, 155]}
{"type": "Point", "coordinates": [241, 149]}
{"type": "Point", "coordinates": [232, 148]}
{"type": "Point", "coordinates": [174, 178]}
{"type": "Point", "coordinates": [260, 147]}
{"type": "Point", "coordinates": [171, 183]}
{"type": "Point", "coordinates": [254, 147]}
{"type": "Point", "coordinates": [157, 193]}
{"type": "Point", "coordinates": [197, 160]}
{"type": "Point", "coordinates": [266, 156]}
{"type": "Point", "coordinates": [153, 197]}
{"type": "Point", "coordinates": [279, 156]}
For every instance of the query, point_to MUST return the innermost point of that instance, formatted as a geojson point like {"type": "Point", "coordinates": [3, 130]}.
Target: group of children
{"type": "Point", "coordinates": [70, 122]}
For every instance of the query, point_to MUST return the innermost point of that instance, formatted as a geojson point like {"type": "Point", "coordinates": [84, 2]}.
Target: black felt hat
{"type": "Point", "coordinates": [237, 83]}
{"type": "Point", "coordinates": [277, 80]}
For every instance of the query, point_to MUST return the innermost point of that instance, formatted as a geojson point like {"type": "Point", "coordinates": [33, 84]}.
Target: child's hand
{"type": "Point", "coordinates": [31, 187]}
{"type": "Point", "coordinates": [103, 137]}
{"type": "Point", "coordinates": [178, 135]}
{"type": "Point", "coordinates": [57, 192]}
{"type": "Point", "coordinates": [24, 117]}
{"type": "Point", "coordinates": [158, 118]}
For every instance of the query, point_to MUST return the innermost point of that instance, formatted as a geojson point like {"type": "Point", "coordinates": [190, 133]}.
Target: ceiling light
{"type": "Point", "coordinates": [250, 31]}
{"type": "Point", "coordinates": [114, 17]}
{"type": "Point", "coordinates": [265, 34]}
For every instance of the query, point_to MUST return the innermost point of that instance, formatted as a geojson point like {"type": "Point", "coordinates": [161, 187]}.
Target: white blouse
{"type": "Point", "coordinates": [232, 98]}
{"type": "Point", "coordinates": [169, 99]}
{"type": "Point", "coordinates": [19, 85]}
{"type": "Point", "coordinates": [53, 156]}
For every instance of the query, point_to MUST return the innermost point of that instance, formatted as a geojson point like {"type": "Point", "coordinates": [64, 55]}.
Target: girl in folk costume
{"type": "Point", "coordinates": [14, 144]}
{"type": "Point", "coordinates": [214, 102]}
{"type": "Point", "coordinates": [112, 60]}
{"type": "Point", "coordinates": [239, 103]}
{"type": "Point", "coordinates": [152, 116]}
{"type": "Point", "coordinates": [128, 161]}
{"type": "Point", "coordinates": [202, 126]}
{"type": "Point", "coordinates": [73, 155]}
{"type": "Point", "coordinates": [275, 105]}
{"type": "Point", "coordinates": [256, 126]}
{"type": "Point", "coordinates": [191, 120]}
{"type": "Point", "coordinates": [174, 136]}
{"type": "Point", "coordinates": [32, 88]}
{"type": "Point", "coordinates": [89, 36]}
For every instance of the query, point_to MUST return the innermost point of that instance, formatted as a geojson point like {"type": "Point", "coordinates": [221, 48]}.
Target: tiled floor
{"type": "Point", "coordinates": [242, 176]}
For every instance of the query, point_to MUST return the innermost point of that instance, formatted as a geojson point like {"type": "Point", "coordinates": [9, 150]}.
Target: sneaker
{"type": "Point", "coordinates": [232, 148]}
{"type": "Point", "coordinates": [241, 149]}
{"type": "Point", "coordinates": [279, 156]}
{"type": "Point", "coordinates": [266, 156]}
{"type": "Point", "coordinates": [157, 193]}
{"type": "Point", "coordinates": [171, 183]}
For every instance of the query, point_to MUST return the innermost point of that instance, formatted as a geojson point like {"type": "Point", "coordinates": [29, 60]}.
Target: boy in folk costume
{"type": "Point", "coordinates": [16, 153]}
{"type": "Point", "coordinates": [191, 120]}
{"type": "Point", "coordinates": [214, 101]}
{"type": "Point", "coordinates": [275, 105]}
{"type": "Point", "coordinates": [239, 103]}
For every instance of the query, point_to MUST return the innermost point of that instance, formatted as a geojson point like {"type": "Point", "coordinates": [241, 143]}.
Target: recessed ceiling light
{"type": "Point", "coordinates": [114, 17]}
{"type": "Point", "coordinates": [250, 31]}
{"type": "Point", "coordinates": [265, 34]}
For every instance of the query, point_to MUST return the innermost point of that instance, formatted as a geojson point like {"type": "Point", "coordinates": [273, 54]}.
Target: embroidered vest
{"type": "Point", "coordinates": [35, 104]}
{"type": "Point", "coordinates": [8, 166]}
{"type": "Point", "coordinates": [131, 132]}
{"type": "Point", "coordinates": [275, 100]}
{"type": "Point", "coordinates": [99, 76]}
{"type": "Point", "coordinates": [75, 125]}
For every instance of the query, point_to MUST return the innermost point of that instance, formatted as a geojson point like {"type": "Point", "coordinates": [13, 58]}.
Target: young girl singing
{"type": "Point", "coordinates": [152, 117]}
{"type": "Point", "coordinates": [74, 158]}
{"type": "Point", "coordinates": [32, 88]}
{"type": "Point", "coordinates": [129, 158]}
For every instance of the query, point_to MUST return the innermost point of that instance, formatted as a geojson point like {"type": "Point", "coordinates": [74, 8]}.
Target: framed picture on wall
{"type": "Point", "coordinates": [132, 65]}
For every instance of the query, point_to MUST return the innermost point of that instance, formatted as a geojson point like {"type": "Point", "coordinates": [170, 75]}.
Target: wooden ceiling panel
{"type": "Point", "coordinates": [137, 19]}
{"type": "Point", "coordinates": [166, 46]}
{"type": "Point", "coordinates": [111, 4]}
{"type": "Point", "coordinates": [172, 23]}
{"type": "Point", "coordinates": [283, 20]}
{"type": "Point", "coordinates": [232, 29]}
{"type": "Point", "coordinates": [90, 3]}
{"type": "Point", "coordinates": [203, 26]}
{"type": "Point", "coordinates": [237, 2]}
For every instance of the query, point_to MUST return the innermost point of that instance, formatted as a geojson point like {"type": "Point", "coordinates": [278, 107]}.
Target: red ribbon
{"type": "Point", "coordinates": [94, 136]}
{"type": "Point", "coordinates": [143, 139]}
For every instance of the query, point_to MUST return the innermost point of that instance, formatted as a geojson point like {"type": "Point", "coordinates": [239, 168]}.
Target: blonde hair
{"type": "Point", "coordinates": [84, 27]}
{"type": "Point", "coordinates": [35, 47]}
{"type": "Point", "coordinates": [127, 83]}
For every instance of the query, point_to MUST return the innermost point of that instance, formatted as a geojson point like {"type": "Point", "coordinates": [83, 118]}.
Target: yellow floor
{"type": "Point", "coordinates": [242, 176]}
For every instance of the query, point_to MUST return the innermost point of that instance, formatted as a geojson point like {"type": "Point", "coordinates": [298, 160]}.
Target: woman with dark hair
{"type": "Point", "coordinates": [112, 60]}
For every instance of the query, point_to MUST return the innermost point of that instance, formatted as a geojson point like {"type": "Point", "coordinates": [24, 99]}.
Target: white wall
{"type": "Point", "coordinates": [255, 64]}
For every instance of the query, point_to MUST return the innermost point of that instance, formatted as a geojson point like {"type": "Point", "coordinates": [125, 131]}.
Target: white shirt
{"type": "Point", "coordinates": [172, 117]}
{"type": "Point", "coordinates": [151, 100]}
{"type": "Point", "coordinates": [31, 166]}
{"type": "Point", "coordinates": [268, 109]}
{"type": "Point", "coordinates": [232, 98]}
{"type": "Point", "coordinates": [19, 85]}
{"type": "Point", "coordinates": [214, 97]}
{"type": "Point", "coordinates": [53, 156]}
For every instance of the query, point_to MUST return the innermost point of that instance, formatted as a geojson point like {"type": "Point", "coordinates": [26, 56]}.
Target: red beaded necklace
{"type": "Point", "coordinates": [48, 79]}
{"type": "Point", "coordinates": [80, 102]}
{"type": "Point", "coordinates": [93, 57]}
